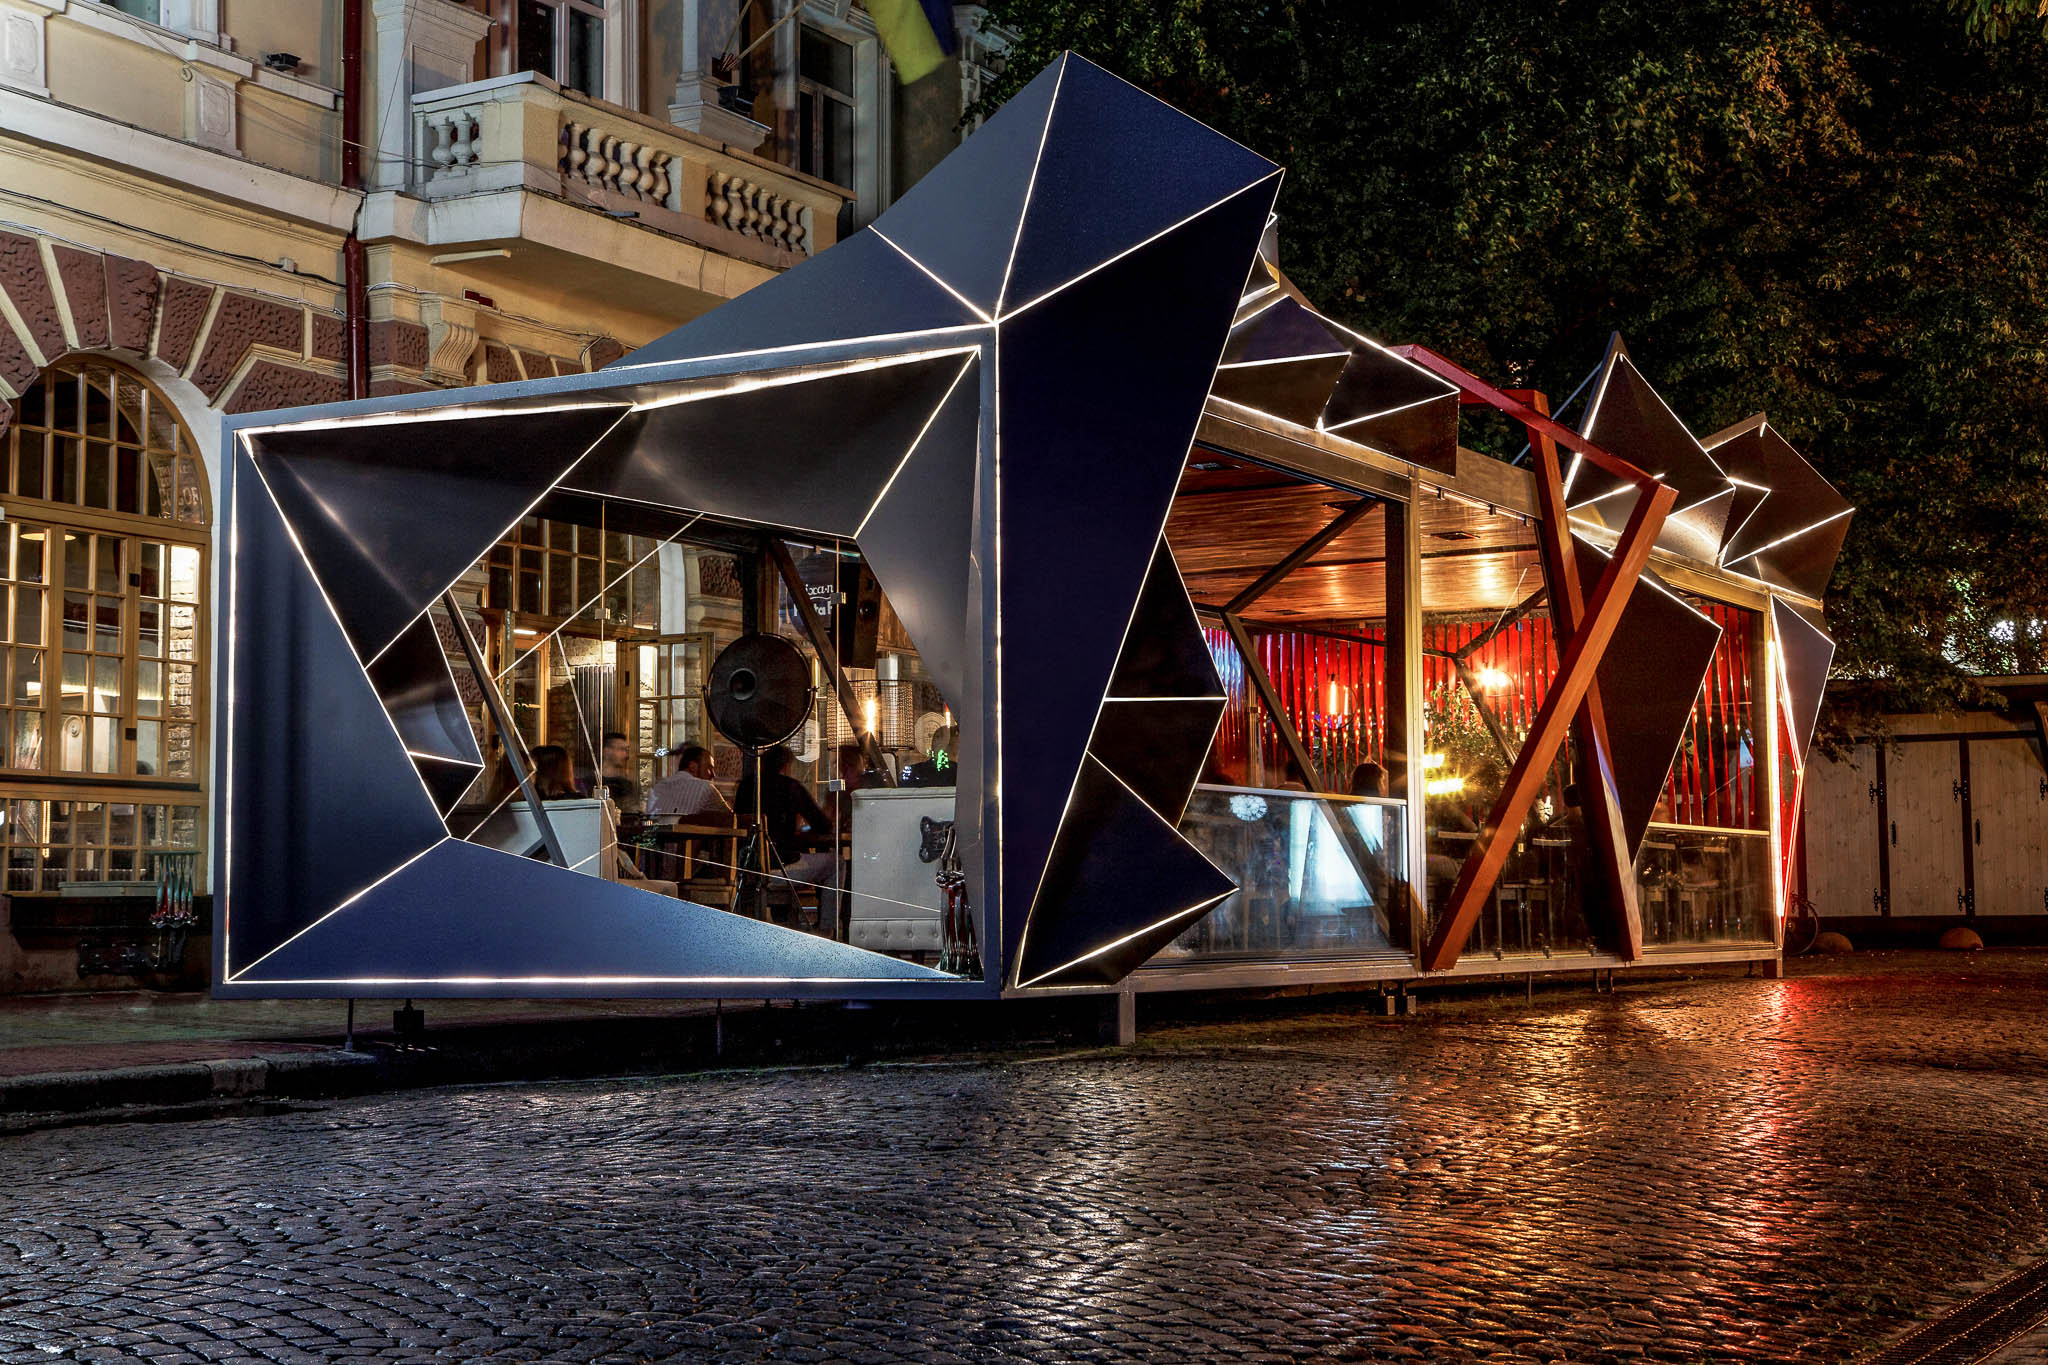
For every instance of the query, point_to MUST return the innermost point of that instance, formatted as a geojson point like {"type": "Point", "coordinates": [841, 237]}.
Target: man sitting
{"type": "Point", "coordinates": [687, 793]}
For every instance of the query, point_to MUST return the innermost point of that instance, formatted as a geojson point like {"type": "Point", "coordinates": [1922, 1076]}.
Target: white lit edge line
{"type": "Point", "coordinates": [918, 440]}
{"type": "Point", "coordinates": [343, 905]}
{"type": "Point", "coordinates": [226, 813]}
{"type": "Point", "coordinates": [624, 574]}
{"type": "Point", "coordinates": [489, 545]}
{"type": "Point", "coordinates": [1592, 416]}
{"type": "Point", "coordinates": [1052, 108]}
{"type": "Point", "coordinates": [775, 379]}
{"type": "Point", "coordinates": [791, 348]}
{"type": "Point", "coordinates": [963, 299]}
{"type": "Point", "coordinates": [1285, 360]}
{"type": "Point", "coordinates": [1108, 699]}
{"type": "Point", "coordinates": [1188, 912]}
{"type": "Point", "coordinates": [1804, 530]}
{"type": "Point", "coordinates": [299, 549]}
{"type": "Point", "coordinates": [934, 979]}
{"type": "Point", "coordinates": [454, 412]}
{"type": "Point", "coordinates": [1140, 246]}
{"type": "Point", "coordinates": [1386, 412]}
{"type": "Point", "coordinates": [443, 758]}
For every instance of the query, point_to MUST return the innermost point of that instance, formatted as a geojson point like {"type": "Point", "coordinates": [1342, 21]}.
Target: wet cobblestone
{"type": "Point", "coordinates": [1728, 1170]}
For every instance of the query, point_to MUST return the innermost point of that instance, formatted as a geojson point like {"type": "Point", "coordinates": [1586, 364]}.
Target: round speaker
{"type": "Point", "coordinates": [759, 691]}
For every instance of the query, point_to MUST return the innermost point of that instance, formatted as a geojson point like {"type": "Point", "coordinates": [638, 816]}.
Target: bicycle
{"type": "Point", "coordinates": [1802, 925]}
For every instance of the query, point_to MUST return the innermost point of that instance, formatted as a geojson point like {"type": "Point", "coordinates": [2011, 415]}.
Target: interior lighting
{"type": "Point", "coordinates": [1431, 762]}
{"type": "Point", "coordinates": [1493, 680]}
{"type": "Point", "coordinates": [872, 710]}
{"type": "Point", "coordinates": [1444, 786]}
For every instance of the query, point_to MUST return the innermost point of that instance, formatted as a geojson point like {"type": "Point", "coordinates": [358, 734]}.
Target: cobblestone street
{"type": "Point", "coordinates": [1728, 1169]}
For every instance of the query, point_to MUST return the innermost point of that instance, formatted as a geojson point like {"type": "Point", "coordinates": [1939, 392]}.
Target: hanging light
{"type": "Point", "coordinates": [1444, 786]}
{"type": "Point", "coordinates": [1493, 680]}
{"type": "Point", "coordinates": [873, 710]}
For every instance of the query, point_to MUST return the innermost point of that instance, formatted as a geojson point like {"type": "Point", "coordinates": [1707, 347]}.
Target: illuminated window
{"type": "Point", "coordinates": [103, 565]}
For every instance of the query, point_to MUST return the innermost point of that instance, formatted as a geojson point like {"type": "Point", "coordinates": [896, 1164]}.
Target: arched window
{"type": "Point", "coordinates": [103, 572]}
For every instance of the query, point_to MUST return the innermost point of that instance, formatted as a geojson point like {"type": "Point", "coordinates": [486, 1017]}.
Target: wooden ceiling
{"type": "Point", "coordinates": [1231, 522]}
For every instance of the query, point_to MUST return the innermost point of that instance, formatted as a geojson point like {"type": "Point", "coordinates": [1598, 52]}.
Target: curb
{"type": "Point", "coordinates": [293, 1075]}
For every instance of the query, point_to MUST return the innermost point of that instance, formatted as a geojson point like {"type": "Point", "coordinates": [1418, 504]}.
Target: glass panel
{"type": "Point", "coordinates": [97, 457]}
{"type": "Point", "coordinates": [105, 749]}
{"type": "Point", "coordinates": [60, 822]}
{"type": "Point", "coordinates": [107, 576]}
{"type": "Point", "coordinates": [77, 557]}
{"type": "Point", "coordinates": [107, 625]}
{"type": "Point", "coordinates": [128, 488]}
{"type": "Point", "coordinates": [21, 868]}
{"type": "Point", "coordinates": [152, 569]}
{"type": "Point", "coordinates": [89, 822]}
{"type": "Point", "coordinates": [64, 469]}
{"type": "Point", "coordinates": [178, 704]}
{"type": "Point", "coordinates": [184, 573]}
{"type": "Point", "coordinates": [184, 635]}
{"type": "Point", "coordinates": [106, 686]}
{"type": "Point", "coordinates": [121, 823]}
{"type": "Point", "coordinates": [185, 827]}
{"type": "Point", "coordinates": [179, 759]}
{"type": "Point", "coordinates": [1314, 875]}
{"type": "Point", "coordinates": [826, 60]}
{"type": "Point", "coordinates": [77, 672]}
{"type": "Point", "coordinates": [28, 462]}
{"type": "Point", "coordinates": [71, 745]}
{"type": "Point", "coordinates": [561, 592]}
{"type": "Point", "coordinates": [191, 506]}
{"type": "Point", "coordinates": [77, 610]}
{"type": "Point", "coordinates": [28, 677]}
{"type": "Point", "coordinates": [28, 740]}
{"type": "Point", "coordinates": [156, 825]}
{"type": "Point", "coordinates": [28, 616]}
{"type": "Point", "coordinates": [28, 554]}
{"type": "Point", "coordinates": [1704, 886]}
{"type": "Point", "coordinates": [149, 689]}
{"type": "Point", "coordinates": [586, 54]}
{"type": "Point", "coordinates": [149, 632]}
{"type": "Point", "coordinates": [148, 747]}
{"type": "Point", "coordinates": [536, 37]}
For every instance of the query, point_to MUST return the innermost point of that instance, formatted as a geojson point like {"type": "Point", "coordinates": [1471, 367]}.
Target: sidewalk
{"type": "Point", "coordinates": [68, 1053]}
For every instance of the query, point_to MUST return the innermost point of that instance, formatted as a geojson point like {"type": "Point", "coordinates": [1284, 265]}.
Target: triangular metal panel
{"type": "Point", "coordinates": [811, 454]}
{"type": "Point", "coordinates": [418, 690]}
{"type": "Point", "coordinates": [1650, 677]}
{"type": "Point", "coordinates": [960, 221]}
{"type": "Point", "coordinates": [1628, 419]}
{"type": "Point", "coordinates": [1805, 651]}
{"type": "Point", "coordinates": [1161, 166]}
{"type": "Point", "coordinates": [1158, 748]}
{"type": "Point", "coordinates": [447, 781]}
{"type": "Point", "coordinates": [329, 800]}
{"type": "Point", "coordinates": [1164, 652]}
{"type": "Point", "coordinates": [1102, 386]}
{"type": "Point", "coordinates": [391, 514]}
{"type": "Point", "coordinates": [860, 288]}
{"type": "Point", "coordinates": [1424, 433]}
{"type": "Point", "coordinates": [1293, 390]}
{"type": "Point", "coordinates": [1283, 331]}
{"type": "Point", "coordinates": [1805, 563]}
{"type": "Point", "coordinates": [477, 915]}
{"type": "Point", "coordinates": [1801, 503]}
{"type": "Point", "coordinates": [1377, 383]}
{"type": "Point", "coordinates": [919, 539]}
{"type": "Point", "coordinates": [1118, 872]}
{"type": "Point", "coordinates": [1696, 532]}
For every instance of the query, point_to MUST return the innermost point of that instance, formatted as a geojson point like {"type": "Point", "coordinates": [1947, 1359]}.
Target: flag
{"type": "Point", "coordinates": [917, 33]}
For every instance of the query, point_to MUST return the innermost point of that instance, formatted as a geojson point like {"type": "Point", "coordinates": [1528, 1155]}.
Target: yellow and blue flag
{"type": "Point", "coordinates": [917, 33]}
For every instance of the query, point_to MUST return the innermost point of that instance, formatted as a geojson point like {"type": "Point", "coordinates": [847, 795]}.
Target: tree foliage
{"type": "Point", "coordinates": [1835, 214]}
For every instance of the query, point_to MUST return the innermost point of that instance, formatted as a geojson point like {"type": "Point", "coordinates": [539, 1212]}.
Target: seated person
{"type": "Point", "coordinates": [1368, 779]}
{"type": "Point", "coordinates": [799, 833]}
{"type": "Point", "coordinates": [688, 793]}
{"type": "Point", "coordinates": [617, 773]}
{"type": "Point", "coordinates": [552, 776]}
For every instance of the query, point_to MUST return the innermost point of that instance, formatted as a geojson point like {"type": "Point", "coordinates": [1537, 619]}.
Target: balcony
{"type": "Point", "coordinates": [525, 133]}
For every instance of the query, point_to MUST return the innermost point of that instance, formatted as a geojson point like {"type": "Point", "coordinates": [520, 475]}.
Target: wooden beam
{"type": "Point", "coordinates": [1578, 659]}
{"type": "Point", "coordinates": [821, 640]}
{"type": "Point", "coordinates": [1301, 554]}
{"type": "Point", "coordinates": [1599, 795]}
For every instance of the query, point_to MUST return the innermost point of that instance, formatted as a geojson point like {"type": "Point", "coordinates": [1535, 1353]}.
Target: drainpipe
{"type": "Point", "coordinates": [354, 267]}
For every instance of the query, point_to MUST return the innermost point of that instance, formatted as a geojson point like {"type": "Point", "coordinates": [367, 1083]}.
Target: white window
{"type": "Point", "coordinates": [562, 39]}
{"type": "Point", "coordinates": [825, 107]}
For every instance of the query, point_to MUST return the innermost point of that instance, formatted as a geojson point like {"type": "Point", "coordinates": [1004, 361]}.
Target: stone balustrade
{"type": "Point", "coordinates": [524, 131]}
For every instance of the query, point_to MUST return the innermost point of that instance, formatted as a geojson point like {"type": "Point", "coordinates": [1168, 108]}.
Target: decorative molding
{"type": "Point", "coordinates": [210, 111]}
{"type": "Point", "coordinates": [451, 340]}
{"type": "Point", "coordinates": [23, 55]}
{"type": "Point", "coordinates": [421, 45]}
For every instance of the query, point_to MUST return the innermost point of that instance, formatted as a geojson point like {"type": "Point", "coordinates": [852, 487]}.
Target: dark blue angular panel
{"type": "Point", "coordinates": [1396, 406]}
{"type": "Point", "coordinates": [1650, 677]}
{"type": "Point", "coordinates": [1102, 388]}
{"type": "Point", "coordinates": [1120, 878]}
{"type": "Point", "coordinates": [1805, 651]}
{"type": "Point", "coordinates": [1164, 652]}
{"type": "Point", "coordinates": [960, 221]}
{"type": "Point", "coordinates": [812, 454]}
{"type": "Point", "coordinates": [862, 287]}
{"type": "Point", "coordinates": [328, 801]}
{"type": "Point", "coordinates": [1158, 748]}
{"type": "Point", "coordinates": [391, 514]}
{"type": "Point", "coordinates": [417, 688]}
{"type": "Point", "coordinates": [1160, 166]}
{"type": "Point", "coordinates": [920, 537]}
{"type": "Point", "coordinates": [469, 913]}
